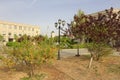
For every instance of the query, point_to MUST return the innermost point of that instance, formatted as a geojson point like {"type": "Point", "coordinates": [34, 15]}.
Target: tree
{"type": "Point", "coordinates": [79, 18]}
{"type": "Point", "coordinates": [28, 54]}
{"type": "Point", "coordinates": [105, 25]}
{"type": "Point", "coordinates": [102, 29]}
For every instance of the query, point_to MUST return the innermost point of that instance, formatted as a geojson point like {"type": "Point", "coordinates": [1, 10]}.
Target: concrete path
{"type": "Point", "coordinates": [64, 53]}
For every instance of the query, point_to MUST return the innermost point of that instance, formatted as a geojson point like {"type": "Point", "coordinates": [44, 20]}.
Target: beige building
{"type": "Point", "coordinates": [10, 29]}
{"type": "Point", "coordinates": [104, 12]}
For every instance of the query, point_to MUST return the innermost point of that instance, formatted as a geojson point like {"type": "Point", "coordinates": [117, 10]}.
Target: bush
{"type": "Point", "coordinates": [79, 45]}
{"type": "Point", "coordinates": [12, 44]}
{"type": "Point", "coordinates": [29, 54]}
{"type": "Point", "coordinates": [98, 50]}
{"type": "Point", "coordinates": [65, 42]}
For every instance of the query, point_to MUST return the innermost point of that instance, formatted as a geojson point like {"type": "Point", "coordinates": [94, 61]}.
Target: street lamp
{"type": "Point", "coordinates": [58, 26]}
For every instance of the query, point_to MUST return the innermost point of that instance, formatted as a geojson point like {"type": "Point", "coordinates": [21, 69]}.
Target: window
{"type": "Point", "coordinates": [20, 27]}
{"type": "Point", "coordinates": [32, 29]}
{"type": "Point", "coordinates": [15, 27]}
{"type": "Point", "coordinates": [9, 34]}
{"type": "Point", "coordinates": [3, 34]}
{"type": "Point", "coordinates": [37, 32]}
{"type": "Point", "coordinates": [20, 35]}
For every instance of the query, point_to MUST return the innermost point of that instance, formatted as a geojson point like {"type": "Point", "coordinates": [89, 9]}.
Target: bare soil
{"type": "Point", "coordinates": [72, 68]}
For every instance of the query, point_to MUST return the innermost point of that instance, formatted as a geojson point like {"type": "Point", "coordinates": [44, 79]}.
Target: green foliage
{"type": "Point", "coordinates": [1, 57]}
{"type": "Point", "coordinates": [65, 42]}
{"type": "Point", "coordinates": [13, 44]}
{"type": "Point", "coordinates": [98, 50]}
{"type": "Point", "coordinates": [79, 45]}
{"type": "Point", "coordinates": [30, 54]}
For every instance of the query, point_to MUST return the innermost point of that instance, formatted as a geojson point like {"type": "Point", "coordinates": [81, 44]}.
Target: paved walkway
{"type": "Point", "coordinates": [72, 52]}
{"type": "Point", "coordinates": [64, 53]}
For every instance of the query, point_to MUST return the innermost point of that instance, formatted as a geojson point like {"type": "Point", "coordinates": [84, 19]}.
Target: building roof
{"type": "Point", "coordinates": [104, 11]}
{"type": "Point", "coordinates": [14, 23]}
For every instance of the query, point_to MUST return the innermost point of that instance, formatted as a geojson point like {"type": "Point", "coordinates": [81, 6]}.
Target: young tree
{"type": "Point", "coordinates": [28, 54]}
{"type": "Point", "coordinates": [101, 28]}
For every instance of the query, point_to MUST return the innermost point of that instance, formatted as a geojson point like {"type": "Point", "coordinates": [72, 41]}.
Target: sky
{"type": "Point", "coordinates": [45, 13]}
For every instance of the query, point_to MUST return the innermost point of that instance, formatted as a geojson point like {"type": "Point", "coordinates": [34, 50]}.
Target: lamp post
{"type": "Point", "coordinates": [58, 26]}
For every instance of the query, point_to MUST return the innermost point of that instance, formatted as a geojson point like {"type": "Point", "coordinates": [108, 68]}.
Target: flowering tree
{"type": "Point", "coordinates": [102, 28]}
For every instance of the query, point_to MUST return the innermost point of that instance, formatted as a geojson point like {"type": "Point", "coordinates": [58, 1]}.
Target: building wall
{"type": "Point", "coordinates": [9, 29]}
{"type": "Point", "coordinates": [104, 12]}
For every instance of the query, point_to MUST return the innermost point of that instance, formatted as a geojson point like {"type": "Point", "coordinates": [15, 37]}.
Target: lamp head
{"type": "Point", "coordinates": [63, 22]}
{"type": "Point", "coordinates": [56, 24]}
{"type": "Point", "coordinates": [59, 21]}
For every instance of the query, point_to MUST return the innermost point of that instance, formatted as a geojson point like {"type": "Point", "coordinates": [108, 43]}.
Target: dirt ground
{"type": "Point", "coordinates": [72, 68]}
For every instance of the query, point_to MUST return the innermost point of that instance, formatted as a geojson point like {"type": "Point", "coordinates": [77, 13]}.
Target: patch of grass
{"type": "Point", "coordinates": [114, 68]}
{"type": "Point", "coordinates": [35, 77]}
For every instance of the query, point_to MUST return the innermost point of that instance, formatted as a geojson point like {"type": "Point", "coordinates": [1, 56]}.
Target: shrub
{"type": "Point", "coordinates": [98, 50]}
{"type": "Point", "coordinates": [30, 55]}
{"type": "Point", "coordinates": [12, 44]}
{"type": "Point", "coordinates": [79, 45]}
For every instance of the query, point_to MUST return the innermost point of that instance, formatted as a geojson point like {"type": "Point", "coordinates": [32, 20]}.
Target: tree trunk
{"type": "Point", "coordinates": [90, 63]}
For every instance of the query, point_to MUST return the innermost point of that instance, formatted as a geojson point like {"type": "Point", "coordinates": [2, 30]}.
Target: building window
{"type": "Point", "coordinates": [32, 29]}
{"type": "Point", "coordinates": [4, 34]}
{"type": "Point", "coordinates": [20, 35]}
{"type": "Point", "coordinates": [15, 27]}
{"type": "Point", "coordinates": [20, 27]}
{"type": "Point", "coordinates": [37, 32]}
{"type": "Point", "coordinates": [9, 34]}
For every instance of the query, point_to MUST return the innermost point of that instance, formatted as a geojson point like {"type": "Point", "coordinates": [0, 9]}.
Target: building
{"type": "Point", "coordinates": [10, 29]}
{"type": "Point", "coordinates": [104, 12]}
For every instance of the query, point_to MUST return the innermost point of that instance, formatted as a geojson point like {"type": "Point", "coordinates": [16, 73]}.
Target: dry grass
{"type": "Point", "coordinates": [73, 68]}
